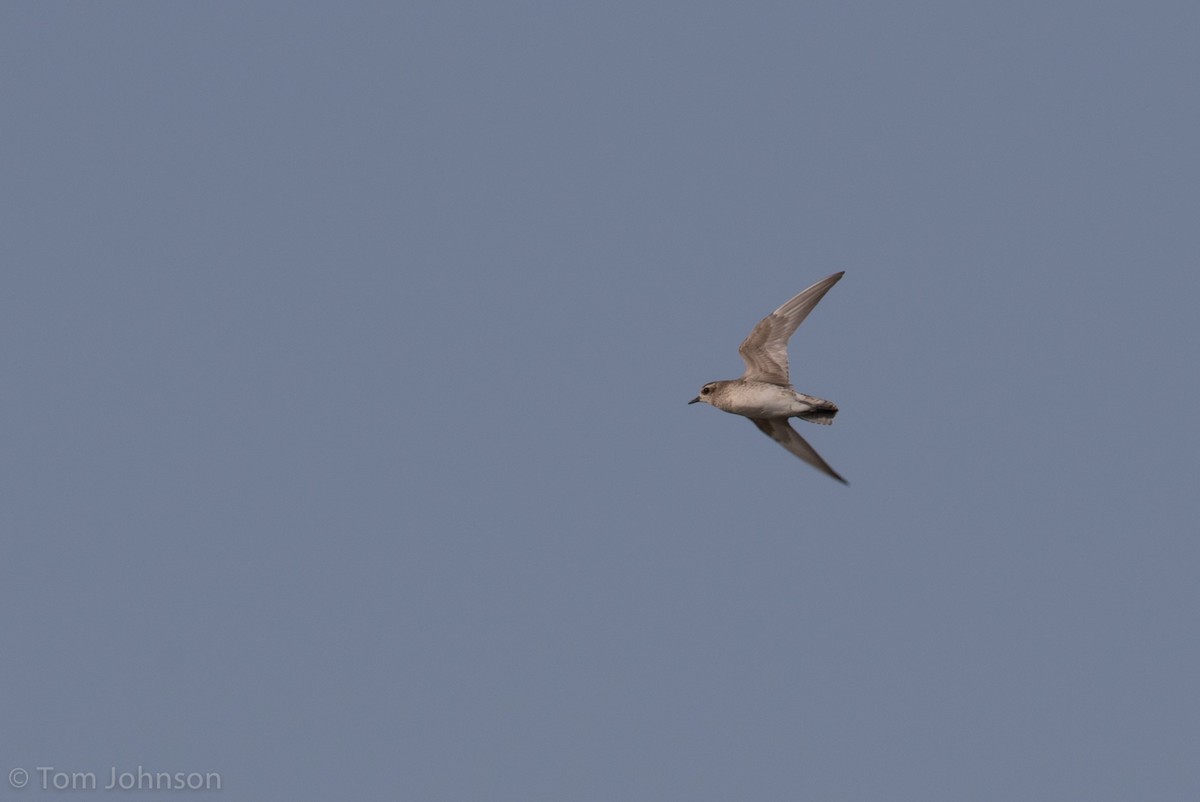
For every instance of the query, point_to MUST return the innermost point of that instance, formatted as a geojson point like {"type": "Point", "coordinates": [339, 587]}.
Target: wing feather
{"type": "Point", "coordinates": [765, 350]}
{"type": "Point", "coordinates": [779, 430]}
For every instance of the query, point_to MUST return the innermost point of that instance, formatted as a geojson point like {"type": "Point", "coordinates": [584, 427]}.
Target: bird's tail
{"type": "Point", "coordinates": [822, 412]}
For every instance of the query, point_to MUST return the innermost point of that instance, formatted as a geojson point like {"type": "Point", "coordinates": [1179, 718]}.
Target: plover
{"type": "Point", "coordinates": [764, 393]}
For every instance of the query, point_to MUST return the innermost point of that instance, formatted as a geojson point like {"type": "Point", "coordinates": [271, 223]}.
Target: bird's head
{"type": "Point", "coordinates": [706, 394]}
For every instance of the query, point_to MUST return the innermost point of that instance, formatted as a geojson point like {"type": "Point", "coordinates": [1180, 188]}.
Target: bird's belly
{"type": "Point", "coordinates": [761, 400]}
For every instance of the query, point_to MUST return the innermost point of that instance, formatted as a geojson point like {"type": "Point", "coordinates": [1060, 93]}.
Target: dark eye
{"type": "Point", "coordinates": [704, 391]}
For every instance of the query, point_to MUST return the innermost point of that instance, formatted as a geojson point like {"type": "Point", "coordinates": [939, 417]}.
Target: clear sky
{"type": "Point", "coordinates": [345, 352]}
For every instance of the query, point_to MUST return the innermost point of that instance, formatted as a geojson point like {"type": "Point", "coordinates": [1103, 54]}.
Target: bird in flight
{"type": "Point", "coordinates": [764, 393]}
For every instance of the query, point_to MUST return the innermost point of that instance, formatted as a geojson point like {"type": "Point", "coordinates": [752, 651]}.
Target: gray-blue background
{"type": "Point", "coordinates": [345, 353]}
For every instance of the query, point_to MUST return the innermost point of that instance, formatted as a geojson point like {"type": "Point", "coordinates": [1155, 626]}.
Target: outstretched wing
{"type": "Point", "coordinates": [765, 350]}
{"type": "Point", "coordinates": [779, 430]}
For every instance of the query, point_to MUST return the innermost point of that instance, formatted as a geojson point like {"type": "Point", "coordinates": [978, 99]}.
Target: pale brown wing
{"type": "Point", "coordinates": [779, 430]}
{"type": "Point", "coordinates": [765, 350]}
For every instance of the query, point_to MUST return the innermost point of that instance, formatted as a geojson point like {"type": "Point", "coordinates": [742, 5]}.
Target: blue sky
{"type": "Point", "coordinates": [346, 352]}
